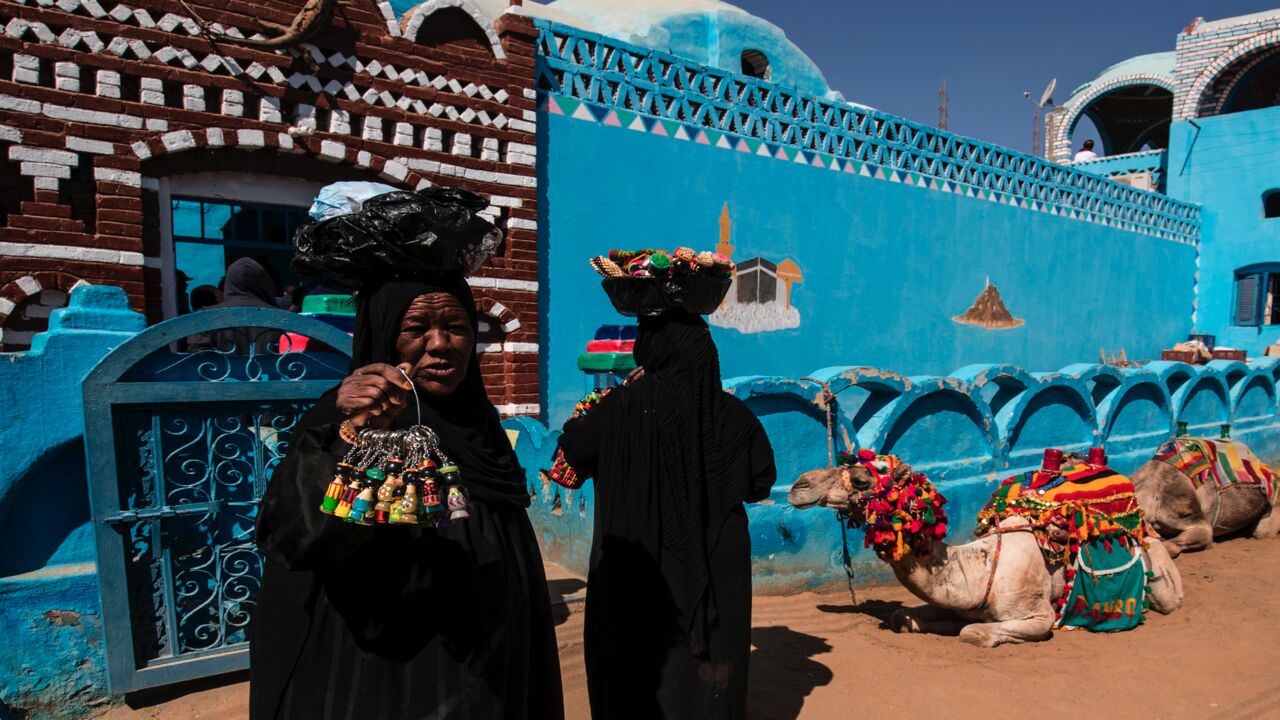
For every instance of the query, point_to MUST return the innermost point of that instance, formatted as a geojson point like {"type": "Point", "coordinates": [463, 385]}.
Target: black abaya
{"type": "Point", "coordinates": [668, 617]}
{"type": "Point", "coordinates": [403, 622]}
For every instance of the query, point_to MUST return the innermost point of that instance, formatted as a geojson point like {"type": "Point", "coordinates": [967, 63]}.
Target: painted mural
{"type": "Point", "coordinates": [760, 297]}
{"type": "Point", "coordinates": [989, 311]}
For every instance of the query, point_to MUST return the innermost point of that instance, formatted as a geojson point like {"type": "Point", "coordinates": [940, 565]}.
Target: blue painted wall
{"type": "Point", "coordinates": [52, 662]}
{"type": "Point", "coordinates": [886, 265]}
{"type": "Point", "coordinates": [1225, 163]}
{"type": "Point", "coordinates": [967, 430]}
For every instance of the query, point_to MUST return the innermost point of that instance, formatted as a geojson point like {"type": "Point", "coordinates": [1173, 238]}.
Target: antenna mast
{"type": "Point", "coordinates": [943, 101]}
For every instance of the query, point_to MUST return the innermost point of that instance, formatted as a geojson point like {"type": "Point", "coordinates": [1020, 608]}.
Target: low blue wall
{"type": "Point", "coordinates": [967, 430]}
{"type": "Point", "coordinates": [52, 662]}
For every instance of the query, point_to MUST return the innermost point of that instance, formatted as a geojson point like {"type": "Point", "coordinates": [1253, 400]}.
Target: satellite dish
{"type": "Point", "coordinates": [1046, 98]}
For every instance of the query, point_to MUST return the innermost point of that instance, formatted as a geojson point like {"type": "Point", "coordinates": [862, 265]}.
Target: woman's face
{"type": "Point", "coordinates": [436, 338]}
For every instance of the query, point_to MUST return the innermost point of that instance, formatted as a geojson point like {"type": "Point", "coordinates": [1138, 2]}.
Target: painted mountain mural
{"type": "Point", "coordinates": [989, 311]}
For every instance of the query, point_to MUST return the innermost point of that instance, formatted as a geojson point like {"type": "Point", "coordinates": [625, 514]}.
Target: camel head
{"type": "Point", "coordinates": [844, 488]}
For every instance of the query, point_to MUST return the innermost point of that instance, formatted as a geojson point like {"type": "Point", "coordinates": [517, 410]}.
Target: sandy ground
{"type": "Point", "coordinates": [818, 656]}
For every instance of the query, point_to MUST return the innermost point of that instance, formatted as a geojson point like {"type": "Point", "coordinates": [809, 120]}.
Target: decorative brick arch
{"type": "Point", "coordinates": [412, 21]}
{"type": "Point", "coordinates": [1193, 102]}
{"type": "Point", "coordinates": [508, 321]}
{"type": "Point", "coordinates": [315, 145]}
{"type": "Point", "coordinates": [1076, 107]}
{"type": "Point", "coordinates": [19, 290]}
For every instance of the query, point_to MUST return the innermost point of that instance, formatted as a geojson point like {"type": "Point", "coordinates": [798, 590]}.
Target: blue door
{"type": "Point", "coordinates": [181, 438]}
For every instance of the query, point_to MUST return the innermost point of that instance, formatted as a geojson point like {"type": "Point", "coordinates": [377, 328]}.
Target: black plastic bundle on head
{"type": "Point", "coordinates": [650, 296]}
{"type": "Point", "coordinates": [398, 234]}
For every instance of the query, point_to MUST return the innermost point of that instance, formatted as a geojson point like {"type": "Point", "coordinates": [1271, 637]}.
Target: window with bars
{"type": "Point", "coordinates": [208, 235]}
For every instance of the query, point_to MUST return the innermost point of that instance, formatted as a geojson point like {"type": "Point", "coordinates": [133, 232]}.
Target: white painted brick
{"type": "Point", "coordinates": [428, 166]}
{"type": "Point", "coordinates": [523, 126]}
{"type": "Point", "coordinates": [6, 306]}
{"type": "Point", "coordinates": [232, 103]}
{"type": "Point", "coordinates": [520, 347]}
{"type": "Point", "coordinates": [269, 109]}
{"type": "Point", "coordinates": [285, 141]}
{"type": "Point", "coordinates": [340, 122]}
{"type": "Point", "coordinates": [251, 138]}
{"type": "Point", "coordinates": [433, 140]}
{"type": "Point", "coordinates": [157, 124]}
{"type": "Point", "coordinates": [529, 93]}
{"type": "Point", "coordinates": [507, 202]}
{"type": "Point", "coordinates": [461, 144]}
{"type": "Point", "coordinates": [178, 140]}
{"type": "Point", "coordinates": [503, 283]}
{"type": "Point", "coordinates": [45, 183]}
{"type": "Point", "coordinates": [108, 84]}
{"type": "Point", "coordinates": [29, 285]}
{"type": "Point", "coordinates": [39, 169]}
{"type": "Point", "coordinates": [305, 116]}
{"type": "Point", "coordinates": [92, 117]}
{"type": "Point", "coordinates": [333, 150]}
{"type": "Point", "coordinates": [215, 137]}
{"type": "Point", "coordinates": [395, 170]}
{"type": "Point", "coordinates": [372, 128]}
{"type": "Point", "coordinates": [141, 150]}
{"type": "Point", "coordinates": [529, 115]}
{"type": "Point", "coordinates": [152, 91]}
{"type": "Point", "coordinates": [10, 134]}
{"type": "Point", "coordinates": [521, 224]}
{"type": "Point", "coordinates": [193, 98]}
{"type": "Point", "coordinates": [120, 177]}
{"type": "Point", "coordinates": [489, 149]}
{"type": "Point", "coordinates": [43, 155]}
{"type": "Point", "coordinates": [364, 158]}
{"type": "Point", "coordinates": [66, 76]}
{"type": "Point", "coordinates": [26, 69]}
{"type": "Point", "coordinates": [404, 134]}
{"type": "Point", "coordinates": [480, 175]}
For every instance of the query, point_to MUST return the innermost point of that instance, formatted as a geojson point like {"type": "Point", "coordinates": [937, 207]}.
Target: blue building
{"type": "Point", "coordinates": [903, 289]}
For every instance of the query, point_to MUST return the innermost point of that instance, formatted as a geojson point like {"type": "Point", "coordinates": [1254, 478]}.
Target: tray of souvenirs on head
{"type": "Point", "coordinates": [651, 281]}
{"type": "Point", "coordinates": [363, 234]}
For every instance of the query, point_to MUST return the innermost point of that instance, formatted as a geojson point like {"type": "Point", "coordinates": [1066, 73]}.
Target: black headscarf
{"type": "Point", "coordinates": [466, 421]}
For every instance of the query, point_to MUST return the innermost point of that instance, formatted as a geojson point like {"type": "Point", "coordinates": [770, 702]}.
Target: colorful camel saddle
{"type": "Point", "coordinates": [1086, 519]}
{"type": "Point", "coordinates": [1225, 463]}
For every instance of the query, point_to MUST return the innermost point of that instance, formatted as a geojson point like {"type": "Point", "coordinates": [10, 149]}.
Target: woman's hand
{"type": "Point", "coordinates": [373, 395]}
{"type": "Point", "coordinates": [634, 376]}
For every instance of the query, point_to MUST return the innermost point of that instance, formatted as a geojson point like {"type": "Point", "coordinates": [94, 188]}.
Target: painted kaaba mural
{"type": "Point", "coordinates": [760, 299]}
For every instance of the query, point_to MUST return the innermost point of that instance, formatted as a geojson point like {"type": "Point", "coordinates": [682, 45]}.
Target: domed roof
{"type": "Point", "coordinates": [710, 32]}
{"type": "Point", "coordinates": [1160, 64]}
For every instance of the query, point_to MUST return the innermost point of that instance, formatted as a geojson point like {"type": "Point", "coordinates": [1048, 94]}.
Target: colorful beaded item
{"type": "Point", "coordinates": [682, 262]}
{"type": "Point", "coordinates": [562, 473]}
{"type": "Point", "coordinates": [903, 515]}
{"type": "Point", "coordinates": [396, 477]}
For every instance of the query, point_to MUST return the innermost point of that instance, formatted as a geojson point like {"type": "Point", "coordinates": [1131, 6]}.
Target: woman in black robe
{"type": "Point", "coordinates": [674, 457]}
{"type": "Point", "coordinates": [404, 621]}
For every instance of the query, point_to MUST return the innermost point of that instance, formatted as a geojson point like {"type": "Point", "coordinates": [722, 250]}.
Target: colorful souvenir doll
{"type": "Point", "coordinates": [341, 479]}
{"type": "Point", "coordinates": [455, 498]}
{"type": "Point", "coordinates": [408, 505]}
{"type": "Point", "coordinates": [349, 495]}
{"type": "Point", "coordinates": [362, 507]}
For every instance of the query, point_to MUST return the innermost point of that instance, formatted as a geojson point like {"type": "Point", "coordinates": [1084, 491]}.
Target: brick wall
{"type": "Point", "coordinates": [98, 97]}
{"type": "Point", "coordinates": [1211, 56]}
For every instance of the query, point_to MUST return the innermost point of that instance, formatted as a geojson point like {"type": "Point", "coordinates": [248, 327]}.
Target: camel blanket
{"type": "Point", "coordinates": [1225, 462]}
{"type": "Point", "coordinates": [1081, 502]}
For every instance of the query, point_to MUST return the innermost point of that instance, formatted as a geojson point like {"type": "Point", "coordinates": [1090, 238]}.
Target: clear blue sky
{"type": "Point", "coordinates": [893, 54]}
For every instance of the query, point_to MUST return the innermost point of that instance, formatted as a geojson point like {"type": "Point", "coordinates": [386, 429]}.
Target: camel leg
{"type": "Point", "coordinates": [1268, 527]}
{"type": "Point", "coordinates": [927, 619]}
{"type": "Point", "coordinates": [1166, 585]}
{"type": "Point", "coordinates": [1032, 629]}
{"type": "Point", "coordinates": [1195, 536]}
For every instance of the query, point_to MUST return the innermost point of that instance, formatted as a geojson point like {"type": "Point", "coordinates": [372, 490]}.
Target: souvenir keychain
{"type": "Point", "coordinates": [397, 477]}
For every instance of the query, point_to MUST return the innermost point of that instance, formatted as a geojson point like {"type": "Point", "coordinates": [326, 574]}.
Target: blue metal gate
{"type": "Point", "coordinates": [180, 446]}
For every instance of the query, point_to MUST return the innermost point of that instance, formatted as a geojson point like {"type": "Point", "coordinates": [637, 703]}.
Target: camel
{"type": "Point", "coordinates": [994, 590]}
{"type": "Point", "coordinates": [1190, 514]}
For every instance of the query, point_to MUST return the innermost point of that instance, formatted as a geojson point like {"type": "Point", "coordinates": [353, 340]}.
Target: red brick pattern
{"type": "Point", "coordinates": [99, 97]}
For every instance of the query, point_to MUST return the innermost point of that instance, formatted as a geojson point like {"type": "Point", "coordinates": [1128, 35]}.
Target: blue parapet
{"type": "Point", "coordinates": [967, 430]}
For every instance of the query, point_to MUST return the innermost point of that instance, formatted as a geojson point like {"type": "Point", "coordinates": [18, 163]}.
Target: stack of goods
{"type": "Point", "coordinates": [651, 282]}
{"type": "Point", "coordinates": [396, 477]}
{"type": "Point", "coordinates": [336, 310]}
{"type": "Point", "coordinates": [1086, 519]}
{"type": "Point", "coordinates": [904, 510]}
{"type": "Point", "coordinates": [1194, 352]}
{"type": "Point", "coordinates": [610, 350]}
{"type": "Point", "coordinates": [561, 472]}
